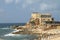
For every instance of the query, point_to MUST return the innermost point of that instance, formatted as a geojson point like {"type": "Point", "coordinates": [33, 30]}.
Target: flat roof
{"type": "Point", "coordinates": [41, 13]}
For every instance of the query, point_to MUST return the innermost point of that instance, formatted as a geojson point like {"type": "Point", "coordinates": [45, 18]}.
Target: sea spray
{"type": "Point", "coordinates": [4, 28]}
{"type": "Point", "coordinates": [10, 34]}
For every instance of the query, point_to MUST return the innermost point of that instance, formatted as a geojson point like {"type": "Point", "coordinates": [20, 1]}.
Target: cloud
{"type": "Point", "coordinates": [11, 1]}
{"type": "Point", "coordinates": [8, 1]}
{"type": "Point", "coordinates": [17, 1]}
{"type": "Point", "coordinates": [1, 10]}
{"type": "Point", "coordinates": [24, 6]}
{"type": "Point", "coordinates": [29, 2]}
{"type": "Point", "coordinates": [33, 9]}
{"type": "Point", "coordinates": [44, 6]}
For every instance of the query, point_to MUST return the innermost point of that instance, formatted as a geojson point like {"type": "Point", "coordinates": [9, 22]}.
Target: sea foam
{"type": "Point", "coordinates": [10, 34]}
{"type": "Point", "coordinates": [4, 28]}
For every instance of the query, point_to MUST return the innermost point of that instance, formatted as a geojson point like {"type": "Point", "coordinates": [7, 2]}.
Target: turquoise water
{"type": "Point", "coordinates": [5, 33]}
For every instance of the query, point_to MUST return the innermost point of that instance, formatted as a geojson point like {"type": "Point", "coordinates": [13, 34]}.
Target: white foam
{"type": "Point", "coordinates": [16, 31]}
{"type": "Point", "coordinates": [4, 28]}
{"type": "Point", "coordinates": [10, 34]}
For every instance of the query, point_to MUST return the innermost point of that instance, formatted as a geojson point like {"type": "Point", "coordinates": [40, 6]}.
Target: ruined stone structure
{"type": "Point", "coordinates": [44, 21]}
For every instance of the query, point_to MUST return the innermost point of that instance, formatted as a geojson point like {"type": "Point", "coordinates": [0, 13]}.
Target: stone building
{"type": "Point", "coordinates": [44, 21]}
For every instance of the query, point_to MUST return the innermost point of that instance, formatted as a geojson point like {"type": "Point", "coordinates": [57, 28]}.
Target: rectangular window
{"type": "Point", "coordinates": [44, 16]}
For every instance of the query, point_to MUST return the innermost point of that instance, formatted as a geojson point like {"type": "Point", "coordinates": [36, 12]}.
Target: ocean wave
{"type": "Point", "coordinates": [15, 35]}
{"type": "Point", "coordinates": [10, 34]}
{"type": "Point", "coordinates": [4, 28]}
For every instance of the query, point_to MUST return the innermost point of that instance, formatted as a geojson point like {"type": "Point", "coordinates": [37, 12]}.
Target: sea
{"type": "Point", "coordinates": [5, 32]}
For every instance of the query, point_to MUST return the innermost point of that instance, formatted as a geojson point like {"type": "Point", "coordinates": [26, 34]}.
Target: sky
{"type": "Point", "coordinates": [19, 11]}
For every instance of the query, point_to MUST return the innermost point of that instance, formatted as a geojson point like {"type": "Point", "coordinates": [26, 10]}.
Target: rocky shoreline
{"type": "Point", "coordinates": [40, 34]}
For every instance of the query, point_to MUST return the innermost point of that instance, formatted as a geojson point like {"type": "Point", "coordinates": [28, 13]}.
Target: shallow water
{"type": "Point", "coordinates": [5, 34]}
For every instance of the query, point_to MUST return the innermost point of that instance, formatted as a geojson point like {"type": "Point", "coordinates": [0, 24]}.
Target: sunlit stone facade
{"type": "Point", "coordinates": [41, 19]}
